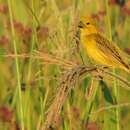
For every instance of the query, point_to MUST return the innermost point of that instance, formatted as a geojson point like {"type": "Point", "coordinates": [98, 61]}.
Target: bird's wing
{"type": "Point", "coordinates": [109, 48]}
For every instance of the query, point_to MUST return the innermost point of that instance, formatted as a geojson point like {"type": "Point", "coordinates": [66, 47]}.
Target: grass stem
{"type": "Point", "coordinates": [16, 64]}
{"type": "Point", "coordinates": [114, 71]}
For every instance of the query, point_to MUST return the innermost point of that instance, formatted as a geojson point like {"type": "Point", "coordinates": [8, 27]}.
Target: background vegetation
{"type": "Point", "coordinates": [38, 49]}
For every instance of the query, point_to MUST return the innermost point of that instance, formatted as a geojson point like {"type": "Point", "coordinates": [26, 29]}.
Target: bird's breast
{"type": "Point", "coordinates": [92, 50]}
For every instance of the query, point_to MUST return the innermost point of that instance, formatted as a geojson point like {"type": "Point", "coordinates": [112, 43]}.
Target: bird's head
{"type": "Point", "coordinates": [87, 26]}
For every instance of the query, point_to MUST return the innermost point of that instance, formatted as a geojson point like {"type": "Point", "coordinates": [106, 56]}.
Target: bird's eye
{"type": "Point", "coordinates": [87, 23]}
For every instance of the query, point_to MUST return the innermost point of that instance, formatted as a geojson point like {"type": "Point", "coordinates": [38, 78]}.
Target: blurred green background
{"type": "Point", "coordinates": [28, 85]}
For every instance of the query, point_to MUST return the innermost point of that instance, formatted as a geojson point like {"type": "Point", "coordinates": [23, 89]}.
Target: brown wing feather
{"type": "Point", "coordinates": [107, 47]}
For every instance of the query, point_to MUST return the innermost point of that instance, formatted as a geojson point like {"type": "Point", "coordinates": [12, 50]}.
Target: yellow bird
{"type": "Point", "coordinates": [99, 48]}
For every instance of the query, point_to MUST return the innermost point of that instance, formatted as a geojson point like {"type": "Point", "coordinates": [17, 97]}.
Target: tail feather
{"type": "Point", "coordinates": [126, 68]}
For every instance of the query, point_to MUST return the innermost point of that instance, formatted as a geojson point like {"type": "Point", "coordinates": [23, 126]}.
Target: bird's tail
{"type": "Point", "coordinates": [126, 68]}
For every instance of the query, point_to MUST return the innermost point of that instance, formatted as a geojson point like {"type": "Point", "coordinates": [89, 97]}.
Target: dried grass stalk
{"type": "Point", "coordinates": [68, 82]}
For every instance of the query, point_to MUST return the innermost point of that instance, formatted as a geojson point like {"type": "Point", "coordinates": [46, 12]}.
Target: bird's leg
{"type": "Point", "coordinates": [98, 74]}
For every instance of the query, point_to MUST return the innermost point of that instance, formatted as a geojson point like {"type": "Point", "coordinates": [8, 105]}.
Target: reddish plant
{"type": "Point", "coordinates": [19, 28]}
{"type": "Point", "coordinates": [6, 115]}
{"type": "Point", "coordinates": [127, 50]}
{"type": "Point", "coordinates": [4, 40]}
{"type": "Point", "coordinates": [3, 8]}
{"type": "Point", "coordinates": [42, 33]}
{"type": "Point", "coordinates": [92, 126]}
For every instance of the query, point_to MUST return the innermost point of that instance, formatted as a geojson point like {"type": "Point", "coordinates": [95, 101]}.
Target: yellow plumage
{"type": "Point", "coordinates": [99, 48]}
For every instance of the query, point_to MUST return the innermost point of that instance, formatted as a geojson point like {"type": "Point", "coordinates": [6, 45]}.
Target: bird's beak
{"type": "Point", "coordinates": [81, 24]}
